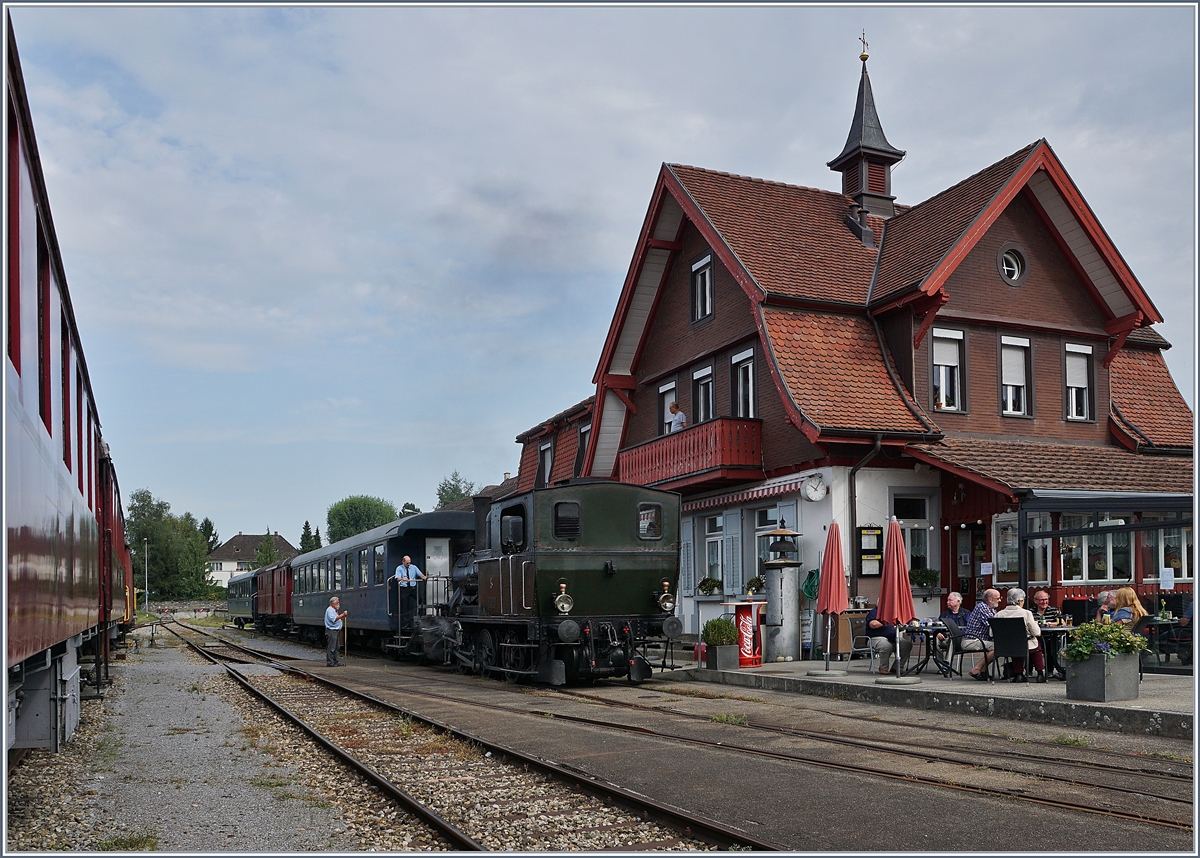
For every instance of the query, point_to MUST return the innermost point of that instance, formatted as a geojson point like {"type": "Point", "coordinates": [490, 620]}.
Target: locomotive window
{"type": "Point", "coordinates": [566, 520]}
{"type": "Point", "coordinates": [512, 530]}
{"type": "Point", "coordinates": [650, 521]}
{"type": "Point", "coordinates": [380, 573]}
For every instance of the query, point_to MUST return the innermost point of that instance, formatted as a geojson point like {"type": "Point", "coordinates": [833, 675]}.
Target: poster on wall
{"type": "Point", "coordinates": [1166, 578]}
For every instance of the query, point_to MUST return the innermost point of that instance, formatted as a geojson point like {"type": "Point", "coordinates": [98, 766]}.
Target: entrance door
{"type": "Point", "coordinates": [437, 568]}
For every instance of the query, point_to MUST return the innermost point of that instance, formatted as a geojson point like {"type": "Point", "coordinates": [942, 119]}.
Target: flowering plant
{"type": "Point", "coordinates": [756, 585]}
{"type": "Point", "coordinates": [708, 586]}
{"type": "Point", "coordinates": [1107, 638]}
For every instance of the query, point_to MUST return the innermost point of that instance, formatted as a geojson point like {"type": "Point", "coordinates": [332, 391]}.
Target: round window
{"type": "Point", "coordinates": [1012, 265]}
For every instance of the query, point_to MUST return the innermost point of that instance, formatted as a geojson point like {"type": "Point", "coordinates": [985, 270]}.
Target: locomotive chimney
{"type": "Point", "coordinates": [481, 504]}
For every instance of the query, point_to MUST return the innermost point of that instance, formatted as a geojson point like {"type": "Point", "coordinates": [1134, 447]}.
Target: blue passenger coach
{"type": "Point", "coordinates": [359, 571]}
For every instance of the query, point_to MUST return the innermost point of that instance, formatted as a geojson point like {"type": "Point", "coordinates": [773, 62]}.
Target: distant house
{"type": "Point", "coordinates": [237, 555]}
{"type": "Point", "coordinates": [980, 366]}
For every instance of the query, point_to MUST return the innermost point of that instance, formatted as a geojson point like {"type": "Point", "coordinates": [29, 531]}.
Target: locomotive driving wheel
{"type": "Point", "coordinates": [512, 655]}
{"type": "Point", "coordinates": [485, 652]}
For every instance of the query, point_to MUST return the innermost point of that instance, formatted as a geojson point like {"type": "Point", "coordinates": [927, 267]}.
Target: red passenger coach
{"type": "Point", "coordinates": [68, 588]}
{"type": "Point", "coordinates": [274, 609]}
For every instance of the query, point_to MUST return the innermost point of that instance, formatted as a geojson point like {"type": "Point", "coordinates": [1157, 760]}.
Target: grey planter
{"type": "Point", "coordinates": [721, 657]}
{"type": "Point", "coordinates": [1103, 679]}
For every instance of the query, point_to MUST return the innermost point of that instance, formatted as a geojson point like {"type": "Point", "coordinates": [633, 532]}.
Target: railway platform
{"type": "Point", "coordinates": [1166, 704]}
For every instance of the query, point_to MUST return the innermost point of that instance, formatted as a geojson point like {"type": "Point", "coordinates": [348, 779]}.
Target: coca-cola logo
{"type": "Point", "coordinates": [746, 634]}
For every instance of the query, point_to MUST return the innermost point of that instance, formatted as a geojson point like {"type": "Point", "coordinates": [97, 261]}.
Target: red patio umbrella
{"type": "Point", "coordinates": [831, 596]}
{"type": "Point", "coordinates": [895, 591]}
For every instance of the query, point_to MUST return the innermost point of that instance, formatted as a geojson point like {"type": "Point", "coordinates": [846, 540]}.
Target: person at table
{"type": "Point", "coordinates": [1108, 604]}
{"type": "Point", "coordinates": [1181, 637]}
{"type": "Point", "coordinates": [1033, 632]}
{"type": "Point", "coordinates": [981, 632]}
{"type": "Point", "coordinates": [1128, 607]}
{"type": "Point", "coordinates": [883, 640]}
{"type": "Point", "coordinates": [954, 611]}
{"type": "Point", "coordinates": [1048, 615]}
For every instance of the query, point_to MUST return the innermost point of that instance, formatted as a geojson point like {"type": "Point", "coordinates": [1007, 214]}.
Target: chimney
{"type": "Point", "coordinates": [856, 219]}
{"type": "Point", "coordinates": [482, 504]}
{"type": "Point", "coordinates": [507, 476]}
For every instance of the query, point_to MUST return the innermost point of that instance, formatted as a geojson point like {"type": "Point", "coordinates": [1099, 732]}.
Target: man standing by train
{"type": "Point", "coordinates": [333, 633]}
{"type": "Point", "coordinates": [407, 576]}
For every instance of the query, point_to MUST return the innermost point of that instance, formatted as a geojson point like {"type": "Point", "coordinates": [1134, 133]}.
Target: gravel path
{"type": "Point", "coordinates": [178, 758]}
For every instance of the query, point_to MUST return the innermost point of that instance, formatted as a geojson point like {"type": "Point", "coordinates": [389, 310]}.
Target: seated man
{"type": "Point", "coordinates": [1108, 604]}
{"type": "Point", "coordinates": [883, 640]}
{"type": "Point", "coordinates": [1048, 615]}
{"type": "Point", "coordinates": [977, 625]}
{"type": "Point", "coordinates": [954, 611]}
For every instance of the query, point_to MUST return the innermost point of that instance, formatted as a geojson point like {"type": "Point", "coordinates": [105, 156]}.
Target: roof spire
{"type": "Point", "coordinates": [867, 158]}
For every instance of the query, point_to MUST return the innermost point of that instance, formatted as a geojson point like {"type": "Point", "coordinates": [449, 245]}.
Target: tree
{"type": "Point", "coordinates": [356, 514]}
{"type": "Point", "coordinates": [308, 542]}
{"type": "Point", "coordinates": [177, 547]}
{"type": "Point", "coordinates": [410, 509]}
{"type": "Point", "coordinates": [265, 554]}
{"type": "Point", "coordinates": [453, 488]}
{"type": "Point", "coordinates": [209, 531]}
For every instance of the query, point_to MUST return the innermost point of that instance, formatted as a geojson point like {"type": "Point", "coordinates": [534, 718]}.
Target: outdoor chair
{"type": "Point", "coordinates": [1010, 640]}
{"type": "Point", "coordinates": [1143, 627]}
{"type": "Point", "coordinates": [955, 650]}
{"type": "Point", "coordinates": [860, 642]}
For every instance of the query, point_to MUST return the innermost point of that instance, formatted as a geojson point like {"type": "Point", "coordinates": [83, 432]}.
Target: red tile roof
{"type": "Point", "coordinates": [1146, 403]}
{"type": "Point", "coordinates": [576, 411]}
{"type": "Point", "coordinates": [834, 370]}
{"type": "Point", "coordinates": [1042, 465]}
{"type": "Point", "coordinates": [1147, 336]}
{"type": "Point", "coordinates": [915, 241]}
{"type": "Point", "coordinates": [245, 545]}
{"type": "Point", "coordinates": [792, 240]}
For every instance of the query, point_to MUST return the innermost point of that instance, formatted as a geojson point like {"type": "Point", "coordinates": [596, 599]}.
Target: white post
{"type": "Point", "coordinates": [146, 561]}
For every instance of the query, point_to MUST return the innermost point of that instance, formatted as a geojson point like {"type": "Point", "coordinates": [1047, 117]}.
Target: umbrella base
{"type": "Point", "coordinates": [898, 680]}
{"type": "Point", "coordinates": [827, 673]}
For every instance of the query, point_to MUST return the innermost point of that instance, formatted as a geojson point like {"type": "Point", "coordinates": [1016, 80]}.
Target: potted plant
{"type": "Point", "coordinates": [755, 585]}
{"type": "Point", "coordinates": [925, 582]}
{"type": "Point", "coordinates": [720, 638]}
{"type": "Point", "coordinates": [708, 586]}
{"type": "Point", "coordinates": [1102, 662]}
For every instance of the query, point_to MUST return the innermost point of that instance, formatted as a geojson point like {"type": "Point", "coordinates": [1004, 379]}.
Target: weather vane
{"type": "Point", "coordinates": [863, 38]}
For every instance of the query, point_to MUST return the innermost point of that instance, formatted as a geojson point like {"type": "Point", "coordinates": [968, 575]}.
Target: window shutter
{"type": "Point", "coordinates": [945, 352]}
{"type": "Point", "coordinates": [733, 557]}
{"type": "Point", "coordinates": [1013, 359]}
{"type": "Point", "coordinates": [687, 567]}
{"type": "Point", "coordinates": [1077, 370]}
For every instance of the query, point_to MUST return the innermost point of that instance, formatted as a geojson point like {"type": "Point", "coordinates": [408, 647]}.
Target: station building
{"type": "Point", "coordinates": [983, 366]}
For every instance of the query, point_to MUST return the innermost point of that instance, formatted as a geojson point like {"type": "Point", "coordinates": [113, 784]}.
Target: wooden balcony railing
{"type": "Point", "coordinates": [728, 449]}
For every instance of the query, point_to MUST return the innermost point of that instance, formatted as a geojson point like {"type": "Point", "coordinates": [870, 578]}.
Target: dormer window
{"type": "Point", "coordinates": [702, 288]}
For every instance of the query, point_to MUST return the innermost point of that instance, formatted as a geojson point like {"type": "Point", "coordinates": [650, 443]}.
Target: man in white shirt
{"type": "Point", "coordinates": [333, 632]}
{"type": "Point", "coordinates": [678, 418]}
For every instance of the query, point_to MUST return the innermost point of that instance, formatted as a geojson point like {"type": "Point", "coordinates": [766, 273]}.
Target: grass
{"type": "Point", "coordinates": [736, 720]}
{"type": "Point", "coordinates": [1071, 741]}
{"type": "Point", "coordinates": [212, 621]}
{"type": "Point", "coordinates": [701, 693]}
{"type": "Point", "coordinates": [143, 841]}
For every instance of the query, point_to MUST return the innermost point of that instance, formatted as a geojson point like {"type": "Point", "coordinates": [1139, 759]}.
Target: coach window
{"type": "Point", "coordinates": [650, 521]}
{"type": "Point", "coordinates": [79, 427]}
{"type": "Point", "coordinates": [66, 393]}
{"type": "Point", "coordinates": [380, 569]}
{"type": "Point", "coordinates": [43, 295]}
{"type": "Point", "coordinates": [566, 520]}
{"type": "Point", "coordinates": [322, 576]}
{"type": "Point", "coordinates": [14, 242]}
{"type": "Point", "coordinates": [364, 568]}
{"type": "Point", "coordinates": [337, 572]}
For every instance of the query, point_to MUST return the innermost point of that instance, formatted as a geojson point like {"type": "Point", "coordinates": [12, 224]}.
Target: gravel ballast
{"type": "Point", "coordinates": [177, 757]}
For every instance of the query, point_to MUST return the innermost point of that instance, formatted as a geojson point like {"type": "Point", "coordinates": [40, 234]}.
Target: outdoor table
{"type": "Point", "coordinates": [1158, 630]}
{"type": "Point", "coordinates": [929, 631]}
{"type": "Point", "coordinates": [1054, 641]}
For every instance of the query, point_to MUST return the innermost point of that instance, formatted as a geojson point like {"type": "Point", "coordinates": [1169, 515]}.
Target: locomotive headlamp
{"type": "Point", "coordinates": [666, 603]}
{"type": "Point", "coordinates": [563, 603]}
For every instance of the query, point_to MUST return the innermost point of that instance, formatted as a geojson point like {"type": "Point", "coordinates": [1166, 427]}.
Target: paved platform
{"type": "Point", "coordinates": [1166, 704]}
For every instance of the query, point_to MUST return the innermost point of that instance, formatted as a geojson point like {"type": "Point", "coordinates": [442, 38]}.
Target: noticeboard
{"type": "Point", "coordinates": [868, 551]}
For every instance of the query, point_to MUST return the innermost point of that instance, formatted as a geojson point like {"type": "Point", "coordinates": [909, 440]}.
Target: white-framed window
{"type": "Point", "coordinates": [947, 370]}
{"type": "Point", "coordinates": [743, 383]}
{"type": "Point", "coordinates": [1107, 556]}
{"type": "Point", "coordinates": [702, 289]}
{"type": "Point", "coordinates": [714, 541]}
{"type": "Point", "coordinates": [912, 512]}
{"type": "Point", "coordinates": [1078, 371]}
{"type": "Point", "coordinates": [765, 520]}
{"type": "Point", "coordinates": [1014, 376]}
{"type": "Point", "coordinates": [243, 566]}
{"type": "Point", "coordinates": [545, 462]}
{"type": "Point", "coordinates": [1170, 547]}
{"type": "Point", "coordinates": [702, 395]}
{"type": "Point", "coordinates": [666, 395]}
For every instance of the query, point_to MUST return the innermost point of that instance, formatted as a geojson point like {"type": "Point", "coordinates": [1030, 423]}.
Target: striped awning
{"type": "Point", "coordinates": [766, 489]}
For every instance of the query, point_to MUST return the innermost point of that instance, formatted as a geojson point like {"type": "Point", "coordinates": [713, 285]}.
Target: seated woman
{"type": "Point", "coordinates": [1129, 607]}
{"type": "Point", "coordinates": [1016, 608]}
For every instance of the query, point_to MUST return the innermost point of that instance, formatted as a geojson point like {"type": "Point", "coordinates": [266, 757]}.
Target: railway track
{"type": "Point", "coordinates": [478, 795]}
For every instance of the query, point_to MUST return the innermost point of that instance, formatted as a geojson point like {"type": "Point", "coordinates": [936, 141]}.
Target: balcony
{"type": "Point", "coordinates": [714, 453]}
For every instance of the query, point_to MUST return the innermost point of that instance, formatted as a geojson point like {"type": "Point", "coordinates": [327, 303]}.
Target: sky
{"type": "Point", "coordinates": [321, 251]}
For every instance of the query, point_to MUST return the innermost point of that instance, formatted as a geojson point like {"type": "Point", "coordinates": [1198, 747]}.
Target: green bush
{"type": "Point", "coordinates": [719, 632]}
{"type": "Point", "coordinates": [708, 586]}
{"type": "Point", "coordinates": [1106, 638]}
{"type": "Point", "coordinates": [924, 577]}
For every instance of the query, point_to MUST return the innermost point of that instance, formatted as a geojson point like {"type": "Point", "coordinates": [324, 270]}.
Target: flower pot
{"type": "Point", "coordinates": [1103, 679]}
{"type": "Point", "coordinates": [721, 657]}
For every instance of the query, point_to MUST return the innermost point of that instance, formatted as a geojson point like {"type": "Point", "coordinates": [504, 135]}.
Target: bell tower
{"type": "Point", "coordinates": [867, 158]}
